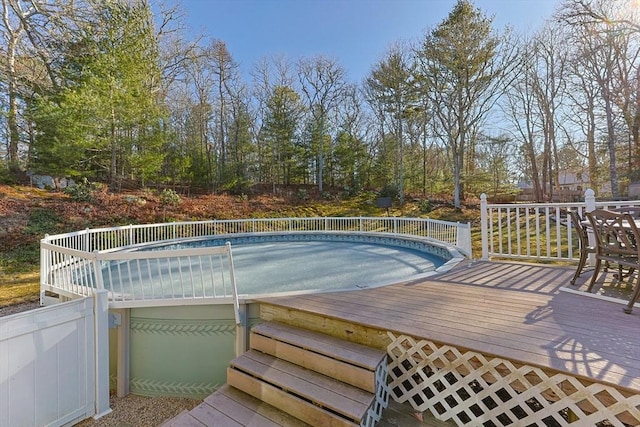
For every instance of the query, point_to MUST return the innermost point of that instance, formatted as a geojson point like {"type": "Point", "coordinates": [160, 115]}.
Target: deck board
{"type": "Point", "coordinates": [504, 309]}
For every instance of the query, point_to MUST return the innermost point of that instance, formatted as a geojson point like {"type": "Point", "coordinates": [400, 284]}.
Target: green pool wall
{"type": "Point", "coordinates": [181, 351]}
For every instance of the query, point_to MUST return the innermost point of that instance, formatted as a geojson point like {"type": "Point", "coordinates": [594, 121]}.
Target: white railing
{"type": "Point", "coordinates": [535, 231]}
{"type": "Point", "coordinates": [74, 264]}
{"type": "Point", "coordinates": [174, 275]}
{"type": "Point", "coordinates": [105, 239]}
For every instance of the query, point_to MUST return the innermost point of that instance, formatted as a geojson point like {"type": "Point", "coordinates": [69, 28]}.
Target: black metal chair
{"type": "Point", "coordinates": [583, 239]}
{"type": "Point", "coordinates": [617, 241]}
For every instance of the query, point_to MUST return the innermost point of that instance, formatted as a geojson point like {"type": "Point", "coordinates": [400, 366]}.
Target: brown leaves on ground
{"type": "Point", "coordinates": [138, 207]}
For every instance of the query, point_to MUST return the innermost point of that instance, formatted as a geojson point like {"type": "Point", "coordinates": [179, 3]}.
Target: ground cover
{"type": "Point", "coordinates": [27, 214]}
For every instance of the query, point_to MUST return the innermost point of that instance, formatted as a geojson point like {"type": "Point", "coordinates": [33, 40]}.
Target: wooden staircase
{"type": "Point", "coordinates": [296, 377]}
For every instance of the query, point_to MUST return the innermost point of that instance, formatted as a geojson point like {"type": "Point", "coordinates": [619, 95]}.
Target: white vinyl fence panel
{"type": "Point", "coordinates": [48, 361]}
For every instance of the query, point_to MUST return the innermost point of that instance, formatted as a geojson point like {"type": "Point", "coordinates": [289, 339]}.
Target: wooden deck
{"type": "Point", "coordinates": [508, 310]}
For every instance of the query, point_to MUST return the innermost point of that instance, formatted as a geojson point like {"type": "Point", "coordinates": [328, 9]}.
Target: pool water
{"type": "Point", "coordinates": [275, 267]}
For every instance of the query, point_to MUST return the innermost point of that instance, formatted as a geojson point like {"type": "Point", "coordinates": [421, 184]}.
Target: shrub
{"type": "Point", "coordinates": [42, 221]}
{"type": "Point", "coordinates": [82, 191]}
{"type": "Point", "coordinates": [6, 177]}
{"type": "Point", "coordinates": [425, 206]}
{"type": "Point", "coordinates": [302, 194]}
{"type": "Point", "coordinates": [388, 191]}
{"type": "Point", "coordinates": [169, 197]}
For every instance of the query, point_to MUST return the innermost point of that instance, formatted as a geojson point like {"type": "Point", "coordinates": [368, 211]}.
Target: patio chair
{"type": "Point", "coordinates": [634, 211]}
{"type": "Point", "coordinates": [585, 248]}
{"type": "Point", "coordinates": [617, 239]}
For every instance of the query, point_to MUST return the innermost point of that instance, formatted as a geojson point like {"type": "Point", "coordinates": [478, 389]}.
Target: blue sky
{"type": "Point", "coordinates": [355, 32]}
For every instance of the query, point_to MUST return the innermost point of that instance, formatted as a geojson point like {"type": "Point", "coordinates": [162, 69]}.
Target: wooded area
{"type": "Point", "coordinates": [116, 92]}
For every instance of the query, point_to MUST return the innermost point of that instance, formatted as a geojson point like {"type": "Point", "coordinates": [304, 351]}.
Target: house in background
{"type": "Point", "coordinates": [572, 185]}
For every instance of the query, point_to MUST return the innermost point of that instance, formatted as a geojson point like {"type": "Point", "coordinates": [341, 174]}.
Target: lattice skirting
{"type": "Point", "coordinates": [473, 389]}
{"type": "Point", "coordinates": [382, 397]}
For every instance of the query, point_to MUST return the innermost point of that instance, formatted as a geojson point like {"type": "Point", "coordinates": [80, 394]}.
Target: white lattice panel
{"type": "Point", "coordinates": [382, 397]}
{"type": "Point", "coordinates": [472, 389]}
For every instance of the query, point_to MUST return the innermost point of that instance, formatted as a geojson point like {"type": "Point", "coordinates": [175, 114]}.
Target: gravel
{"type": "Point", "coordinates": [17, 308]}
{"type": "Point", "coordinates": [140, 411]}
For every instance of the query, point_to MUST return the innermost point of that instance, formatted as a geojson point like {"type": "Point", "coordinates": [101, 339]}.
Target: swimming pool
{"type": "Point", "coordinates": [313, 262]}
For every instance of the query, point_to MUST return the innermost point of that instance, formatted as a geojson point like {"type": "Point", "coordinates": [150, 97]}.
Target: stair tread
{"type": "Point", "coordinates": [210, 416]}
{"type": "Point", "coordinates": [335, 368]}
{"type": "Point", "coordinates": [183, 419]}
{"type": "Point", "coordinates": [353, 353]}
{"type": "Point", "coordinates": [320, 389]}
{"type": "Point", "coordinates": [250, 411]}
{"type": "Point", "coordinates": [295, 405]}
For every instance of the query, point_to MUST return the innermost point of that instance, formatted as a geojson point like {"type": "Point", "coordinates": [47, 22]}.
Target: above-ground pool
{"type": "Point", "coordinates": [174, 318]}
{"type": "Point", "coordinates": [184, 350]}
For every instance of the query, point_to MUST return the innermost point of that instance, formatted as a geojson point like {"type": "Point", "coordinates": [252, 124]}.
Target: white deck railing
{"type": "Point", "coordinates": [535, 231]}
{"type": "Point", "coordinates": [75, 264]}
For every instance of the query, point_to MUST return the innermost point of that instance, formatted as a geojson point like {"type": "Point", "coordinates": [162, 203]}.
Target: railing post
{"type": "Point", "coordinates": [101, 349]}
{"type": "Point", "coordinates": [44, 267]}
{"type": "Point", "coordinates": [463, 238]}
{"type": "Point", "coordinates": [130, 234]}
{"type": "Point", "coordinates": [590, 205]}
{"type": "Point", "coordinates": [240, 315]}
{"type": "Point", "coordinates": [484, 232]}
{"type": "Point", "coordinates": [97, 271]}
{"type": "Point", "coordinates": [232, 279]}
{"type": "Point", "coordinates": [589, 200]}
{"type": "Point", "coordinates": [87, 242]}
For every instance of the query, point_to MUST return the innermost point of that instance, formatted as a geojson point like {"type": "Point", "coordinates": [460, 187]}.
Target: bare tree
{"type": "Point", "coordinates": [323, 81]}
{"type": "Point", "coordinates": [549, 79]}
{"type": "Point", "coordinates": [603, 34]}
{"type": "Point", "coordinates": [15, 13]}
{"type": "Point", "coordinates": [226, 72]}
{"type": "Point", "coordinates": [520, 109]}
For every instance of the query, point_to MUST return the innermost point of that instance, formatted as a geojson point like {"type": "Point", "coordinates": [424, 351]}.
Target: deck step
{"type": "Point", "coordinates": [310, 396]}
{"type": "Point", "coordinates": [348, 362]}
{"type": "Point", "coordinates": [231, 407]}
{"type": "Point", "coordinates": [295, 377]}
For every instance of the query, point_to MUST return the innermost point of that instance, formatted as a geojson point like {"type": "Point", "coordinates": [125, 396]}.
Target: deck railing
{"type": "Point", "coordinates": [535, 231]}
{"type": "Point", "coordinates": [74, 264]}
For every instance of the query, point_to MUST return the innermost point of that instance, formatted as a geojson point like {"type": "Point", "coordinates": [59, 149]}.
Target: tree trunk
{"type": "Point", "coordinates": [12, 119]}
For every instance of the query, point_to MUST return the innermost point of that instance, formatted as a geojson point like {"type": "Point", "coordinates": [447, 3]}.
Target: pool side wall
{"type": "Point", "coordinates": [181, 351]}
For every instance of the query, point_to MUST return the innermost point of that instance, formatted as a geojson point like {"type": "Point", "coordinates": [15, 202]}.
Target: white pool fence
{"type": "Point", "coordinates": [55, 359]}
